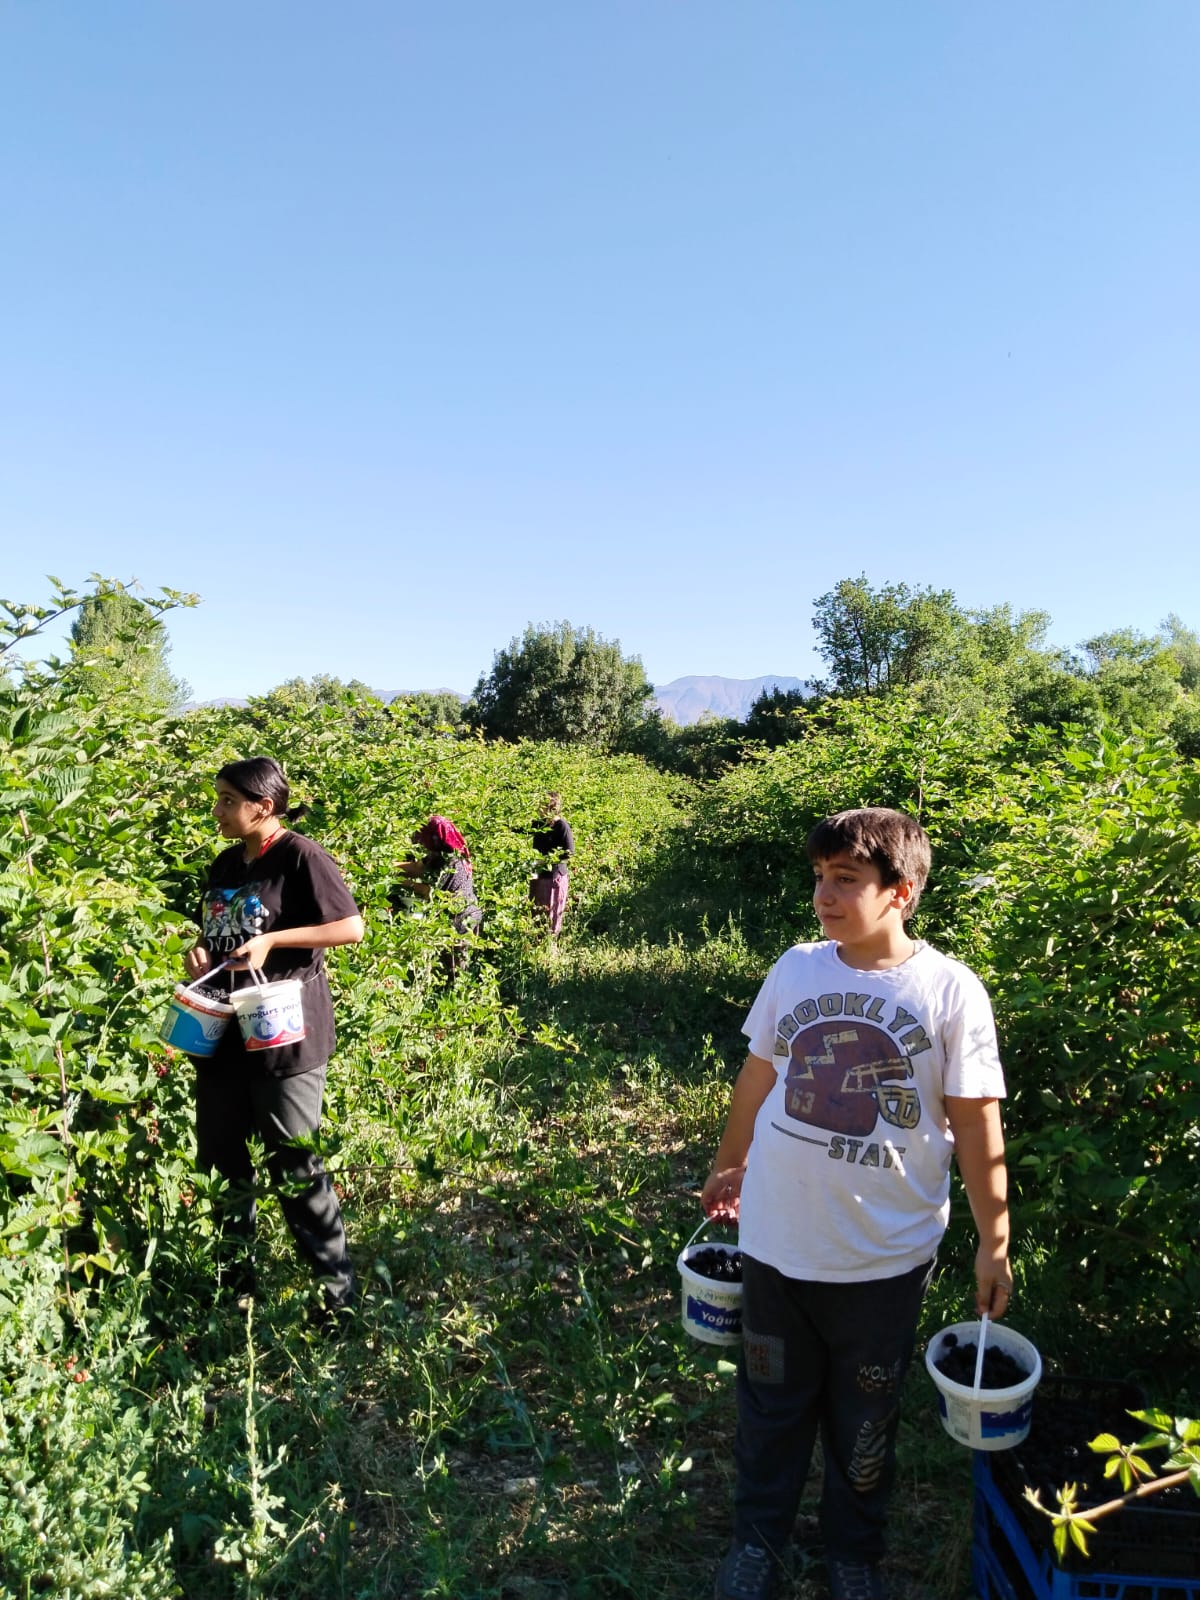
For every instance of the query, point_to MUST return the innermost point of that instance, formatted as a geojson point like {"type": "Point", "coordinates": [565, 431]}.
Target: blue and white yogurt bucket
{"type": "Point", "coordinates": [194, 1021]}
{"type": "Point", "coordinates": [712, 1311]}
{"type": "Point", "coordinates": [986, 1419]}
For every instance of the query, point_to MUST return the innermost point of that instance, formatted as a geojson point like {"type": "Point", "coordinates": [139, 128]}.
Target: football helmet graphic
{"type": "Point", "coordinates": [845, 1075]}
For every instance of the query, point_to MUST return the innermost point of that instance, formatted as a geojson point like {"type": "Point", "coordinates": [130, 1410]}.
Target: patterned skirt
{"type": "Point", "coordinates": [548, 891]}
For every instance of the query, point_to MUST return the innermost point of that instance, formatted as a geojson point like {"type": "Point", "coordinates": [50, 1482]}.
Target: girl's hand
{"type": "Point", "coordinates": [721, 1196]}
{"type": "Point", "coordinates": [196, 961]}
{"type": "Point", "coordinates": [254, 952]}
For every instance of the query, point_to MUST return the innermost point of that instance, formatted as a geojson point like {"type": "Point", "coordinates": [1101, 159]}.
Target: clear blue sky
{"type": "Point", "coordinates": [392, 326]}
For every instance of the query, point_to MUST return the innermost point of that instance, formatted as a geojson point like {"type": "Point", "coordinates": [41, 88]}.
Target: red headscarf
{"type": "Point", "coordinates": [439, 833]}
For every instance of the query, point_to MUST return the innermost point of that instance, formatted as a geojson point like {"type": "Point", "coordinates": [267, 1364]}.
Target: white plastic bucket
{"type": "Point", "coordinates": [995, 1419]}
{"type": "Point", "coordinates": [194, 1023]}
{"type": "Point", "coordinates": [270, 1014]}
{"type": "Point", "coordinates": [712, 1311]}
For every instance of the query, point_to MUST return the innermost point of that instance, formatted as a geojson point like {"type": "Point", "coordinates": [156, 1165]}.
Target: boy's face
{"type": "Point", "coordinates": [852, 903]}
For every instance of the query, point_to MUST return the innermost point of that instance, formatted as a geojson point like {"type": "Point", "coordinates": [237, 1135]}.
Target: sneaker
{"type": "Point", "coordinates": [748, 1572]}
{"type": "Point", "coordinates": [855, 1580]}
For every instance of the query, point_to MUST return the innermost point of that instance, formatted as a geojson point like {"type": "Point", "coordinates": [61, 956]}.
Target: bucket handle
{"type": "Point", "coordinates": [256, 978]}
{"type": "Point", "coordinates": [210, 972]}
{"type": "Point", "coordinates": [983, 1327]}
{"type": "Point", "coordinates": [704, 1223]}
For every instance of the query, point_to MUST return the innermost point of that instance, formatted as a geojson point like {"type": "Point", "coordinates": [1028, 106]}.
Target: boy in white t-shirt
{"type": "Point", "coordinates": [872, 1060]}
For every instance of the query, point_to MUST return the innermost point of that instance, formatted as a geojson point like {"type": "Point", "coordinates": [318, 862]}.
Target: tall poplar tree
{"type": "Point", "coordinates": [120, 649]}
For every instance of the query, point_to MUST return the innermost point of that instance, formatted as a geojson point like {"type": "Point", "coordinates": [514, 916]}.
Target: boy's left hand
{"type": "Point", "coordinates": [993, 1283]}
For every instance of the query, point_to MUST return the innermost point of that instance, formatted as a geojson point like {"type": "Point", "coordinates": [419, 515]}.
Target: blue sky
{"type": "Point", "coordinates": [391, 327]}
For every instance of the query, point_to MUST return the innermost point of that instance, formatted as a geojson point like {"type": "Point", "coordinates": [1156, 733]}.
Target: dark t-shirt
{"type": "Point", "coordinates": [556, 840]}
{"type": "Point", "coordinates": [293, 884]}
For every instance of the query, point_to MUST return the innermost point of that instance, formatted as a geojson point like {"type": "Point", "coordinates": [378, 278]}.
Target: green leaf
{"type": "Point", "coordinates": [1079, 1528]}
{"type": "Point", "coordinates": [1154, 1419]}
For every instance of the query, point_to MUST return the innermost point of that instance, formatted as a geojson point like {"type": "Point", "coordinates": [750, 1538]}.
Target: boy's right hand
{"type": "Point", "coordinates": [721, 1196]}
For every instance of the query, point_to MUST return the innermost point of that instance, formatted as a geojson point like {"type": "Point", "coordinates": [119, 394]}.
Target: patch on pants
{"type": "Point", "coordinates": [870, 1455]}
{"type": "Point", "coordinates": [763, 1353]}
{"type": "Point", "coordinates": [879, 1379]}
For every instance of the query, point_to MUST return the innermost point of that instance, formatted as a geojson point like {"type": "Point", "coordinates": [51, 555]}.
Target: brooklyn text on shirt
{"type": "Point", "coordinates": [870, 1007]}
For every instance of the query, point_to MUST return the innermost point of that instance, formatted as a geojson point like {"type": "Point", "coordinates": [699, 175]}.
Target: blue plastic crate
{"type": "Point", "coordinates": [1006, 1566]}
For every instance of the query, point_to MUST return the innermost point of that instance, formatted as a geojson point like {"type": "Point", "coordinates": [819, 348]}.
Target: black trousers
{"type": "Point", "coordinates": [237, 1099]}
{"type": "Point", "coordinates": [827, 1357]}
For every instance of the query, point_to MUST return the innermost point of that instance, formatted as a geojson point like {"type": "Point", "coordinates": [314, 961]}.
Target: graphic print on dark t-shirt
{"type": "Point", "coordinates": [232, 916]}
{"type": "Point", "coordinates": [846, 1071]}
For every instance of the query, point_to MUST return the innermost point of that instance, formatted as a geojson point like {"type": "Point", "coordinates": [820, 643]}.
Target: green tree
{"type": "Point", "coordinates": [772, 719]}
{"type": "Point", "coordinates": [1148, 682]}
{"type": "Point", "coordinates": [700, 749]}
{"type": "Point", "coordinates": [435, 709]}
{"type": "Point", "coordinates": [1184, 645]}
{"type": "Point", "coordinates": [873, 640]}
{"type": "Point", "coordinates": [963, 662]}
{"type": "Point", "coordinates": [562, 683]}
{"type": "Point", "coordinates": [320, 690]}
{"type": "Point", "coordinates": [1001, 660]}
{"type": "Point", "coordinates": [120, 650]}
{"type": "Point", "coordinates": [1136, 676]}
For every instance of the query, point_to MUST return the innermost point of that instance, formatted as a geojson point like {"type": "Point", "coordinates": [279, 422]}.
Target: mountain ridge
{"type": "Point", "coordinates": [684, 700]}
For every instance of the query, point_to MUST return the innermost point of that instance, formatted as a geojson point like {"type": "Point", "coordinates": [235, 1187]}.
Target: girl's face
{"type": "Point", "coordinates": [237, 815]}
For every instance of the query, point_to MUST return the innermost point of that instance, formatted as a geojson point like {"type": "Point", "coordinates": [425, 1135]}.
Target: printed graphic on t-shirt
{"type": "Point", "coordinates": [231, 916]}
{"type": "Point", "coordinates": [849, 1065]}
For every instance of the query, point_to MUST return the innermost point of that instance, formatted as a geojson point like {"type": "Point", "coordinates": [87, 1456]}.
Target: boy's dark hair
{"type": "Point", "coordinates": [892, 841]}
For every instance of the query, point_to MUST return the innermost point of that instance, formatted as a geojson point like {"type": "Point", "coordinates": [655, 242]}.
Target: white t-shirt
{"type": "Point", "coordinates": [848, 1176]}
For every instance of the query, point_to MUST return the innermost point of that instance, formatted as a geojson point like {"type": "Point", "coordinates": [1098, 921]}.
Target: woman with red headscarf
{"type": "Point", "coordinates": [446, 866]}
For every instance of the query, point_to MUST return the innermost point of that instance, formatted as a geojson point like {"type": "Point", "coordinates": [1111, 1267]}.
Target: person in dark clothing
{"type": "Point", "coordinates": [273, 902]}
{"type": "Point", "coordinates": [555, 843]}
{"type": "Point", "coordinates": [446, 867]}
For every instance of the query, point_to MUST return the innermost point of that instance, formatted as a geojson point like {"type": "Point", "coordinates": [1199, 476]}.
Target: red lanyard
{"type": "Point", "coordinates": [267, 843]}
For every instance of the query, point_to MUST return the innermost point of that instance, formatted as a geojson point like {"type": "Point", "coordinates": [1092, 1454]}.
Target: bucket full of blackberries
{"type": "Point", "coordinates": [997, 1415]}
{"type": "Point", "coordinates": [711, 1278]}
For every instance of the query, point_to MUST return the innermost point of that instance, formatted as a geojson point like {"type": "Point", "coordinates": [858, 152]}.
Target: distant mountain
{"type": "Point", "coordinates": [388, 695]}
{"type": "Point", "coordinates": [686, 700]}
